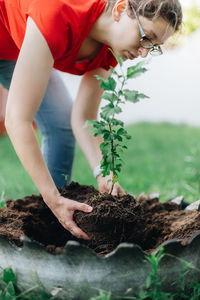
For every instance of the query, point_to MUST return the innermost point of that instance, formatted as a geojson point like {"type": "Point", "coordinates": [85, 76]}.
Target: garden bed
{"type": "Point", "coordinates": [114, 220]}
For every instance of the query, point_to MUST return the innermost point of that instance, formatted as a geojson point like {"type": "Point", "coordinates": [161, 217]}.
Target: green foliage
{"type": "Point", "coordinates": [193, 168]}
{"type": "Point", "coordinates": [2, 202]}
{"type": "Point", "coordinates": [192, 19]}
{"type": "Point", "coordinates": [109, 128]}
{"type": "Point", "coordinates": [153, 282]}
{"type": "Point", "coordinates": [8, 285]}
{"type": "Point", "coordinates": [103, 295]}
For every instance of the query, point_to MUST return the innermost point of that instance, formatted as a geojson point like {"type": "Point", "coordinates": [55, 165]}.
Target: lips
{"type": "Point", "coordinates": [131, 56]}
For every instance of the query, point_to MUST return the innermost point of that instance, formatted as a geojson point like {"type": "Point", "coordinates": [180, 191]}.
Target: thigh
{"type": "Point", "coordinates": [55, 110]}
{"type": "Point", "coordinates": [53, 120]}
{"type": "Point", "coordinates": [6, 72]}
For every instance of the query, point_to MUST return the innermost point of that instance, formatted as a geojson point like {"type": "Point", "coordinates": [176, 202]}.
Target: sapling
{"type": "Point", "coordinates": [109, 127]}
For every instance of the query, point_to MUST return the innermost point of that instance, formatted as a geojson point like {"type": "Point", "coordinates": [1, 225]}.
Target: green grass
{"type": "Point", "coordinates": [154, 162]}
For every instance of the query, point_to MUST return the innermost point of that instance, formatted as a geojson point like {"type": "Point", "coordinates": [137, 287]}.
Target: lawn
{"type": "Point", "coordinates": [154, 162]}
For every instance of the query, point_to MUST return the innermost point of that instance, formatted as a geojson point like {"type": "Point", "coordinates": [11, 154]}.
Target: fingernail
{"type": "Point", "coordinates": [89, 208]}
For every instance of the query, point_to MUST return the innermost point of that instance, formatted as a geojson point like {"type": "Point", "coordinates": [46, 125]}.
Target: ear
{"type": "Point", "coordinates": [118, 9]}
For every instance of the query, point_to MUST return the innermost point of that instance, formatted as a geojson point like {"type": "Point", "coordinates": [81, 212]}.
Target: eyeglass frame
{"type": "Point", "coordinates": [155, 49]}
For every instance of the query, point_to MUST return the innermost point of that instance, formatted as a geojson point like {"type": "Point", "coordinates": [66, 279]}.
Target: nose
{"type": "Point", "coordinates": [143, 52]}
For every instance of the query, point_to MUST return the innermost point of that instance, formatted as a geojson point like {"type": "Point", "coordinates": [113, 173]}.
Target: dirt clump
{"type": "Point", "coordinates": [141, 220]}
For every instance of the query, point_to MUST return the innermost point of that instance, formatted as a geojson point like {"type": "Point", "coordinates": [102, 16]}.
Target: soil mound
{"type": "Point", "coordinates": [141, 220]}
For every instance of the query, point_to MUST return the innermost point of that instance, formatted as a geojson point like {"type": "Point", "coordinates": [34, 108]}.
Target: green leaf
{"type": "Point", "coordinates": [136, 70]}
{"type": "Point", "coordinates": [88, 123]}
{"type": "Point", "coordinates": [121, 131]}
{"type": "Point", "coordinates": [117, 122]}
{"type": "Point", "coordinates": [109, 96]}
{"type": "Point", "coordinates": [99, 77]}
{"type": "Point", "coordinates": [118, 59]}
{"type": "Point", "coordinates": [108, 84]}
{"type": "Point", "coordinates": [133, 96]}
{"type": "Point", "coordinates": [8, 275]}
{"type": "Point", "coordinates": [148, 282]}
{"type": "Point", "coordinates": [10, 289]}
{"type": "Point", "coordinates": [118, 137]}
{"type": "Point", "coordinates": [92, 130]}
{"type": "Point", "coordinates": [110, 110]}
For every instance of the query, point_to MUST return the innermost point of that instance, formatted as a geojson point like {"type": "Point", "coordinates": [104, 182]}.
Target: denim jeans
{"type": "Point", "coordinates": [53, 121]}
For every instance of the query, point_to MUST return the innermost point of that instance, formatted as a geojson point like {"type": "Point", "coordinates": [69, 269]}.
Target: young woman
{"type": "Point", "coordinates": [36, 38]}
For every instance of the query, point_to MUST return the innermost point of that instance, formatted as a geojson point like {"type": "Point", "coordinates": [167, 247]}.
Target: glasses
{"type": "Point", "coordinates": [146, 43]}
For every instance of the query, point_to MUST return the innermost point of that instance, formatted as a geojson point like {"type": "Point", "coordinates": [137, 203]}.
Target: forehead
{"type": "Point", "coordinates": [159, 29]}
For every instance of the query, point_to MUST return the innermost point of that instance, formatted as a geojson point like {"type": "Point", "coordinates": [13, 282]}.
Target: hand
{"type": "Point", "coordinates": [105, 186]}
{"type": "Point", "coordinates": [63, 209]}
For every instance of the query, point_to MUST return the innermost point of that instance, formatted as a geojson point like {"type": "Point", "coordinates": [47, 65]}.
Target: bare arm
{"type": "Point", "coordinates": [86, 108]}
{"type": "Point", "coordinates": [27, 89]}
{"type": "Point", "coordinates": [26, 92]}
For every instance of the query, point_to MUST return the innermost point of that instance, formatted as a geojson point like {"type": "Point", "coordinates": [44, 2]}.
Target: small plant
{"type": "Point", "coordinates": [153, 282]}
{"type": "Point", "coordinates": [109, 128]}
{"type": "Point", "coordinates": [103, 295]}
{"type": "Point", "coordinates": [8, 285]}
{"type": "Point", "coordinates": [2, 201]}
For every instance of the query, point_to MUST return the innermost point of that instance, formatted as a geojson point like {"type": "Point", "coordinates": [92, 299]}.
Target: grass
{"type": "Point", "coordinates": [154, 162]}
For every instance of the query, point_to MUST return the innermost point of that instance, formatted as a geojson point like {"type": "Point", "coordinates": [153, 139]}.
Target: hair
{"type": "Point", "coordinates": [169, 10]}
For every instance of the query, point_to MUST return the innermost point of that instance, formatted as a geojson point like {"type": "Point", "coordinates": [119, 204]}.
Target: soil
{"type": "Point", "coordinates": [141, 220]}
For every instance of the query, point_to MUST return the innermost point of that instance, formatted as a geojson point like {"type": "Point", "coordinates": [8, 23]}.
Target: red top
{"type": "Point", "coordinates": [64, 24]}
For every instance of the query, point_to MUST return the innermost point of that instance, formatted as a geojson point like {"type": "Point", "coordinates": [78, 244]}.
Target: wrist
{"type": "Point", "coordinates": [97, 171]}
{"type": "Point", "coordinates": [50, 195]}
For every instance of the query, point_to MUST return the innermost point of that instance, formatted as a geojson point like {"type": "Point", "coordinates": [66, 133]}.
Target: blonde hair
{"type": "Point", "coordinates": [169, 10]}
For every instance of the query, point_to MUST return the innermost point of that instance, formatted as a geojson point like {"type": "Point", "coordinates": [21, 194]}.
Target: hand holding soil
{"type": "Point", "coordinates": [63, 209]}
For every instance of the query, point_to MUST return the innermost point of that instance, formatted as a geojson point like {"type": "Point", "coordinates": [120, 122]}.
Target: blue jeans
{"type": "Point", "coordinates": [53, 121]}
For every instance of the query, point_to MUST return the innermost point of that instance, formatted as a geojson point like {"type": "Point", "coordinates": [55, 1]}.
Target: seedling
{"type": "Point", "coordinates": [2, 201]}
{"type": "Point", "coordinates": [108, 127]}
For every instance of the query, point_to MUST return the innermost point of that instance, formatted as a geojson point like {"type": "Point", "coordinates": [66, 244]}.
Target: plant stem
{"type": "Point", "coordinates": [110, 128]}
{"type": "Point", "coordinates": [113, 159]}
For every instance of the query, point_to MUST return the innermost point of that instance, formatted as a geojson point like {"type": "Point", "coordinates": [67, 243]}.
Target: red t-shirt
{"type": "Point", "coordinates": [64, 24]}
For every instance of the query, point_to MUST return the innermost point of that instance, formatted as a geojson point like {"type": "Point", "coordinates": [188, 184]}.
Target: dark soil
{"type": "Point", "coordinates": [141, 220]}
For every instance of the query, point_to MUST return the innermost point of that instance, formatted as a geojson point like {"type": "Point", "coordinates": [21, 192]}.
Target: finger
{"type": "Point", "coordinates": [76, 231]}
{"type": "Point", "coordinates": [121, 192]}
{"type": "Point", "coordinates": [118, 191]}
{"type": "Point", "coordinates": [104, 189]}
{"type": "Point", "coordinates": [115, 191]}
{"type": "Point", "coordinates": [83, 207]}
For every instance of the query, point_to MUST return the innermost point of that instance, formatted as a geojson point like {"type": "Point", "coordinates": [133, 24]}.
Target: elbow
{"type": "Point", "coordinates": [8, 123]}
{"type": "Point", "coordinates": [79, 120]}
{"type": "Point", "coordinates": [13, 123]}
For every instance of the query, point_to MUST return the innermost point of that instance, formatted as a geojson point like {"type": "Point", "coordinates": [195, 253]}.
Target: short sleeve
{"type": "Point", "coordinates": [52, 21]}
{"type": "Point", "coordinates": [113, 64]}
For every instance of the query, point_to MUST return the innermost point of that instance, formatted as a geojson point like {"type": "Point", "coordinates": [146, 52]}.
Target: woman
{"type": "Point", "coordinates": [71, 36]}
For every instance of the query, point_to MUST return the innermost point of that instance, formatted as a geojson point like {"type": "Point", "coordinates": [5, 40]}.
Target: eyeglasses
{"type": "Point", "coordinates": [145, 42]}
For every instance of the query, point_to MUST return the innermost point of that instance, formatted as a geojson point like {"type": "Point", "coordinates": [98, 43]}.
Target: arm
{"type": "Point", "coordinates": [86, 108]}
{"type": "Point", "coordinates": [25, 96]}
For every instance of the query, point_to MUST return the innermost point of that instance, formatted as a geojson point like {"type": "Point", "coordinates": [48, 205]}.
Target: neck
{"type": "Point", "coordinates": [102, 28]}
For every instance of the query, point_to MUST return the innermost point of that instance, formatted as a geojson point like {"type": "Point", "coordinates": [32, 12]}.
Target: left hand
{"type": "Point", "coordinates": [105, 186]}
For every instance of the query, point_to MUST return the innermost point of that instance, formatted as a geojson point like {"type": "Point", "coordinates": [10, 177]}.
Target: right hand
{"type": "Point", "coordinates": [63, 209]}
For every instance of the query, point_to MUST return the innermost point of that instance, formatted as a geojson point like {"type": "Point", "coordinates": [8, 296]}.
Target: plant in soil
{"type": "Point", "coordinates": [110, 128]}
